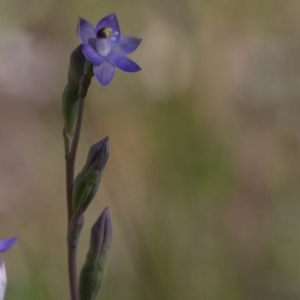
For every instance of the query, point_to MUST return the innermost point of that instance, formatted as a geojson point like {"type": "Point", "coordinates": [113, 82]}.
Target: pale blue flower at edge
{"type": "Point", "coordinates": [2, 280]}
{"type": "Point", "coordinates": [4, 245]}
{"type": "Point", "coordinates": [106, 48]}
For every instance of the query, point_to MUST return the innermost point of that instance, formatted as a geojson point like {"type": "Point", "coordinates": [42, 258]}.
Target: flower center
{"type": "Point", "coordinates": [103, 41]}
{"type": "Point", "coordinates": [103, 33]}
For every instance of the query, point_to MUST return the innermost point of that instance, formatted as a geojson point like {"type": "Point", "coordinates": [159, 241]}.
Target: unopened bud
{"type": "Point", "coordinates": [101, 235]}
{"type": "Point", "coordinates": [93, 271]}
{"type": "Point", "coordinates": [70, 96]}
{"type": "Point", "coordinates": [76, 66]}
{"type": "Point", "coordinates": [87, 181]}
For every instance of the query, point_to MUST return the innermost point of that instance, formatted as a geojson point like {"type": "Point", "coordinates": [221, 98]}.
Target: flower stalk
{"type": "Point", "coordinates": [103, 49]}
{"type": "Point", "coordinates": [71, 146]}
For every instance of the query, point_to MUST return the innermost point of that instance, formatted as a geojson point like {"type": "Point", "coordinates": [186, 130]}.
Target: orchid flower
{"type": "Point", "coordinates": [106, 48]}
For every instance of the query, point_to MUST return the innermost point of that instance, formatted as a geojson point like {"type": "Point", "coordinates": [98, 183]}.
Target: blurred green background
{"type": "Point", "coordinates": [204, 170]}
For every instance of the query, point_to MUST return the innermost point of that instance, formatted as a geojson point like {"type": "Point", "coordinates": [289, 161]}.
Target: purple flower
{"type": "Point", "coordinates": [106, 48]}
{"type": "Point", "coordinates": [7, 243]}
{"type": "Point", "coordinates": [4, 245]}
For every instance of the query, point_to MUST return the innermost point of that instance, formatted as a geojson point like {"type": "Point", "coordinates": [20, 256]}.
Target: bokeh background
{"type": "Point", "coordinates": [203, 179]}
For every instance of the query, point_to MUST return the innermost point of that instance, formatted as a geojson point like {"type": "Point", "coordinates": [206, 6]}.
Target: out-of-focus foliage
{"type": "Point", "coordinates": [204, 169]}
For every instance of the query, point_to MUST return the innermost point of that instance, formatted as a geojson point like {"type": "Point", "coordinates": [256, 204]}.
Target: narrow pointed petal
{"type": "Point", "coordinates": [123, 63]}
{"type": "Point", "coordinates": [127, 44]}
{"type": "Point", "coordinates": [92, 55]}
{"type": "Point", "coordinates": [7, 243]}
{"type": "Point", "coordinates": [104, 73]}
{"type": "Point", "coordinates": [85, 30]}
{"type": "Point", "coordinates": [110, 21]}
{"type": "Point", "coordinates": [3, 280]}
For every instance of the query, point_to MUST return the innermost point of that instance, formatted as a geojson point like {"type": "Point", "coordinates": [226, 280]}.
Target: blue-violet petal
{"type": "Point", "coordinates": [127, 44]}
{"type": "Point", "coordinates": [123, 63]}
{"type": "Point", "coordinates": [110, 21]}
{"type": "Point", "coordinates": [85, 30]}
{"type": "Point", "coordinates": [7, 243]}
{"type": "Point", "coordinates": [104, 73]}
{"type": "Point", "coordinates": [92, 55]}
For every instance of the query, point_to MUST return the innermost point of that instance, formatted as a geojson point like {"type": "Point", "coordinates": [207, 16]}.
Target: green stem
{"type": "Point", "coordinates": [70, 154]}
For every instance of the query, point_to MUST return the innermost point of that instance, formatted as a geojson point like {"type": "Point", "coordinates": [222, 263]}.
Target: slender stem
{"type": "Point", "coordinates": [72, 259]}
{"type": "Point", "coordinates": [71, 147]}
{"type": "Point", "coordinates": [70, 160]}
{"type": "Point", "coordinates": [70, 167]}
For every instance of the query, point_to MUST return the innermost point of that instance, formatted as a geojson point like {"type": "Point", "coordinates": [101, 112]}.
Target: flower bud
{"type": "Point", "coordinates": [70, 95]}
{"type": "Point", "coordinates": [93, 271]}
{"type": "Point", "coordinates": [76, 66]}
{"type": "Point", "coordinates": [87, 181]}
{"type": "Point", "coordinates": [2, 280]}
